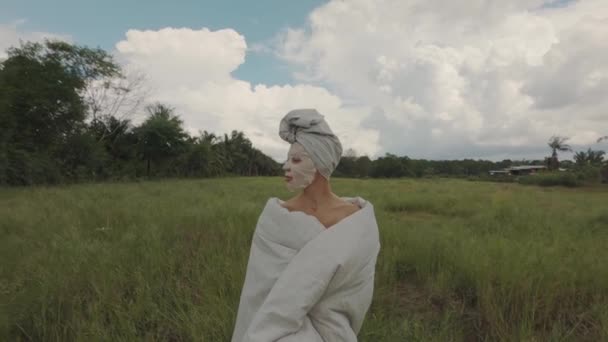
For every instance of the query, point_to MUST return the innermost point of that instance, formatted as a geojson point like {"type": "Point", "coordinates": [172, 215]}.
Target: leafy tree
{"type": "Point", "coordinates": [81, 158]}
{"type": "Point", "coordinates": [119, 142]}
{"type": "Point", "coordinates": [200, 160]}
{"type": "Point", "coordinates": [389, 166]}
{"type": "Point", "coordinates": [238, 156]}
{"type": "Point", "coordinates": [41, 107]}
{"type": "Point", "coordinates": [362, 166]}
{"type": "Point", "coordinates": [63, 117]}
{"type": "Point", "coordinates": [557, 143]}
{"type": "Point", "coordinates": [160, 136]}
{"type": "Point", "coordinates": [590, 157]}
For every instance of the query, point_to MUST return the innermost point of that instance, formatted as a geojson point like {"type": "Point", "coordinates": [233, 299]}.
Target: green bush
{"type": "Point", "coordinates": [604, 174]}
{"type": "Point", "coordinates": [588, 174]}
{"type": "Point", "coordinates": [494, 178]}
{"type": "Point", "coordinates": [568, 179]}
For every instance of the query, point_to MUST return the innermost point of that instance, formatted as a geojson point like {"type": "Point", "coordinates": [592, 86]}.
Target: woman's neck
{"type": "Point", "coordinates": [318, 194]}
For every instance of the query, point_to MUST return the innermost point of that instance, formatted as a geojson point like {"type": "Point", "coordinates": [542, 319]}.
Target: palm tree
{"type": "Point", "coordinates": [580, 158]}
{"type": "Point", "coordinates": [557, 143]}
{"type": "Point", "coordinates": [590, 157]}
{"type": "Point", "coordinates": [595, 157]}
{"type": "Point", "coordinates": [207, 138]}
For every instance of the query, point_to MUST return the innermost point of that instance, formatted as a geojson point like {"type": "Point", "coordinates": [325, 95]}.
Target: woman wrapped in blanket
{"type": "Point", "coordinates": [310, 274]}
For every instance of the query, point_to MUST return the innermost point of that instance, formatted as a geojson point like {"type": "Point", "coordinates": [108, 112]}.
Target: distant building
{"type": "Point", "coordinates": [526, 169]}
{"type": "Point", "coordinates": [498, 172]}
{"type": "Point", "coordinates": [519, 170]}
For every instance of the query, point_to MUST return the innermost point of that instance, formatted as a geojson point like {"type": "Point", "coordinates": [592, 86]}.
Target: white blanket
{"type": "Point", "coordinates": [307, 283]}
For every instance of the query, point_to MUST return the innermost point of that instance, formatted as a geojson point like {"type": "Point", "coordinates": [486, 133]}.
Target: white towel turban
{"type": "Point", "coordinates": [310, 129]}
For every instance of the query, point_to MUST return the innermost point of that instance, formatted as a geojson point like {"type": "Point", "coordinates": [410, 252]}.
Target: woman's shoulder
{"type": "Point", "coordinates": [288, 203]}
{"type": "Point", "coordinates": [346, 205]}
{"type": "Point", "coordinates": [348, 208]}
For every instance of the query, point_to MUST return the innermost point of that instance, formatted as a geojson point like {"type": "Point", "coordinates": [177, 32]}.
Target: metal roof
{"type": "Point", "coordinates": [527, 167]}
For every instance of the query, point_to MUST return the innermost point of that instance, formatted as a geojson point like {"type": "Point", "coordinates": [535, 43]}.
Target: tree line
{"type": "Point", "coordinates": [65, 116]}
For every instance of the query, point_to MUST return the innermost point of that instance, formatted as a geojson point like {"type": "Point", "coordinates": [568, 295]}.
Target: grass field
{"type": "Point", "coordinates": [460, 260]}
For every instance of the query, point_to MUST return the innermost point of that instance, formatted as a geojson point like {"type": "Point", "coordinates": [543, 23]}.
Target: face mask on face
{"type": "Point", "coordinates": [300, 167]}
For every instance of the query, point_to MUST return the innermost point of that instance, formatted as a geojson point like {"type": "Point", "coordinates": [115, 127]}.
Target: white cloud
{"type": "Point", "coordinates": [423, 78]}
{"type": "Point", "coordinates": [462, 78]}
{"type": "Point", "coordinates": [184, 57]}
{"type": "Point", "coordinates": [12, 33]}
{"type": "Point", "coordinates": [191, 70]}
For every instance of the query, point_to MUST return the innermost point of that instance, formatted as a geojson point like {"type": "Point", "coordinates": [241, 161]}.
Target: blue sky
{"type": "Point", "coordinates": [104, 23]}
{"type": "Point", "coordinates": [558, 3]}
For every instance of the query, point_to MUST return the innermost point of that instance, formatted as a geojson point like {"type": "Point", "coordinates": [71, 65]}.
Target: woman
{"type": "Point", "coordinates": [311, 268]}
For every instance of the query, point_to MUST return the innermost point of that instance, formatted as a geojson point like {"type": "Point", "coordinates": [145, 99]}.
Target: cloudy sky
{"type": "Point", "coordinates": [433, 79]}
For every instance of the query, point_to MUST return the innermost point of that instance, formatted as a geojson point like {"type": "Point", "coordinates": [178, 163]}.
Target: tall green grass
{"type": "Point", "coordinates": [165, 261]}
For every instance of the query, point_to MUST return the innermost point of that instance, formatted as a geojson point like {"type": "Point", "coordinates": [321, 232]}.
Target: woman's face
{"type": "Point", "coordinates": [299, 168]}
